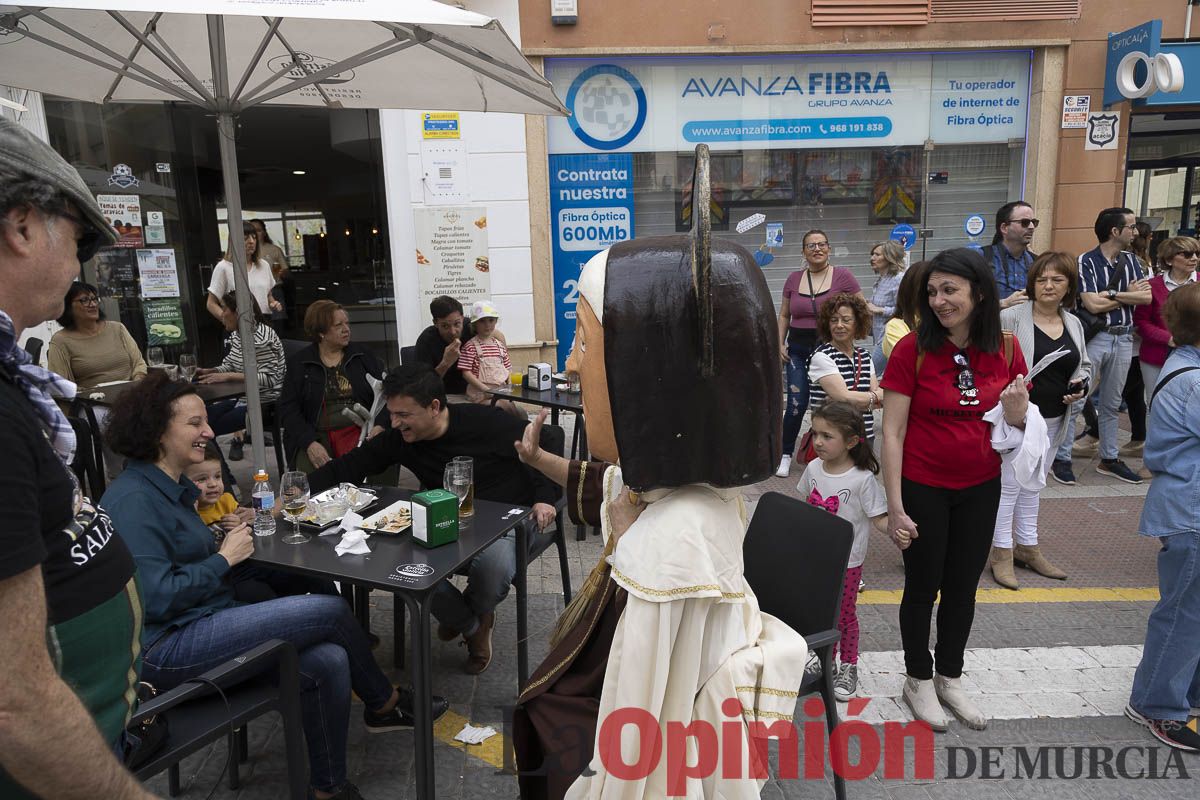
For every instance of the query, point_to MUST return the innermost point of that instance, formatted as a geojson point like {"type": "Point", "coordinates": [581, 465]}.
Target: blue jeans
{"type": "Point", "coordinates": [227, 416]}
{"type": "Point", "coordinates": [797, 392]}
{"type": "Point", "coordinates": [1110, 357]}
{"type": "Point", "coordinates": [1167, 682]}
{"type": "Point", "coordinates": [489, 576]}
{"type": "Point", "coordinates": [335, 658]}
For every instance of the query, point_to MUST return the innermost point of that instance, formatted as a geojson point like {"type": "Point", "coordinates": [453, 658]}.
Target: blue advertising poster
{"type": "Point", "coordinates": [905, 234]}
{"type": "Point", "coordinates": [591, 208]}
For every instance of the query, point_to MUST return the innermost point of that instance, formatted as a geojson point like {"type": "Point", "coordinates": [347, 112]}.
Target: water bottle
{"type": "Point", "coordinates": [264, 504]}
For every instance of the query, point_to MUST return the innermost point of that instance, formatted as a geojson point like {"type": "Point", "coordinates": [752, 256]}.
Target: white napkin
{"type": "Point", "coordinates": [351, 521]}
{"type": "Point", "coordinates": [472, 735]}
{"type": "Point", "coordinates": [354, 541]}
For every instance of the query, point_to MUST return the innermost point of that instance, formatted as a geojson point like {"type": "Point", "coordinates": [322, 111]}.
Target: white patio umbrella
{"type": "Point", "coordinates": [230, 55]}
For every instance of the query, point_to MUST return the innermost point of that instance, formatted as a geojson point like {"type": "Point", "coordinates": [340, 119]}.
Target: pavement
{"type": "Point", "coordinates": [1051, 664]}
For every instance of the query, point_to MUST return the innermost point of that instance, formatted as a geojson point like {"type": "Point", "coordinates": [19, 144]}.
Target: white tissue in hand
{"type": "Point", "coordinates": [354, 541]}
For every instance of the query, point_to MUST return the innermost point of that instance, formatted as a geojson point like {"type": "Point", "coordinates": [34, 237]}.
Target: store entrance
{"type": "Point", "coordinates": [1162, 182]}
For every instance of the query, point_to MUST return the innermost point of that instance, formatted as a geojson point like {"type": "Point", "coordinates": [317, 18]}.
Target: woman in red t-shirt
{"type": "Point", "coordinates": [804, 292]}
{"type": "Point", "coordinates": [941, 474]}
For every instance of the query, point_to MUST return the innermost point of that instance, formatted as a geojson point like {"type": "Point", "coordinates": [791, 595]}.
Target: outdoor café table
{"type": "Point", "coordinates": [409, 571]}
{"type": "Point", "coordinates": [556, 400]}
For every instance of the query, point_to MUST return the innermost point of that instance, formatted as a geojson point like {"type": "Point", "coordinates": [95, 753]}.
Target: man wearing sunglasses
{"type": "Point", "coordinates": [1111, 283]}
{"type": "Point", "coordinates": [1009, 253]}
{"type": "Point", "coordinates": [64, 577]}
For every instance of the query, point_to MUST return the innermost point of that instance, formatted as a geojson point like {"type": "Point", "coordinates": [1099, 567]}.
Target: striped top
{"type": "Point", "coordinates": [828, 360]}
{"type": "Point", "coordinates": [268, 352]}
{"type": "Point", "coordinates": [475, 350]}
{"type": "Point", "coordinates": [1095, 271]}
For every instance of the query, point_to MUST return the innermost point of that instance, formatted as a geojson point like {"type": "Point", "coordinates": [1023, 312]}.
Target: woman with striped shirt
{"type": "Point", "coordinates": [840, 370]}
{"type": "Point", "coordinates": [229, 416]}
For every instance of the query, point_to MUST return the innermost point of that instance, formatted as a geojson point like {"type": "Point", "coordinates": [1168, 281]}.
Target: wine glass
{"type": "Point", "coordinates": [154, 356]}
{"type": "Point", "coordinates": [293, 493]}
{"type": "Point", "coordinates": [187, 365]}
{"type": "Point", "coordinates": [459, 479]}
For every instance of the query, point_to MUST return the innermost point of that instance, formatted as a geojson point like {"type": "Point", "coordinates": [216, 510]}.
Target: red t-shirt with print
{"type": "Point", "coordinates": [947, 443]}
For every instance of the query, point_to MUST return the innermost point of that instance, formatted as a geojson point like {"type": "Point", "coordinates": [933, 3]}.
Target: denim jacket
{"type": "Point", "coordinates": [175, 551]}
{"type": "Point", "coordinates": [1172, 450]}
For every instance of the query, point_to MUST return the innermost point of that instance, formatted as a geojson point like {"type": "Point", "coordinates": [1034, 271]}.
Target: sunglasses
{"type": "Point", "coordinates": [1025, 223]}
{"type": "Point", "coordinates": [90, 240]}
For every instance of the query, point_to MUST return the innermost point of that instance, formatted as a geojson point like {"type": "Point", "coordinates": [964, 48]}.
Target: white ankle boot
{"type": "Point", "coordinates": [922, 700]}
{"type": "Point", "coordinates": [950, 692]}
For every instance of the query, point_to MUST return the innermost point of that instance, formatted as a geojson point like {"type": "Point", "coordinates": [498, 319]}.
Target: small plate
{"type": "Point", "coordinates": [399, 514]}
{"type": "Point", "coordinates": [368, 499]}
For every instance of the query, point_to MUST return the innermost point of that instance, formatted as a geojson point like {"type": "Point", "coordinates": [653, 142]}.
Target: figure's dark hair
{"type": "Point", "coordinates": [1108, 219]}
{"type": "Point", "coordinates": [1003, 216]}
{"type": "Point", "coordinates": [1182, 314]}
{"type": "Point", "coordinates": [417, 381]}
{"type": "Point", "coordinates": [141, 414]}
{"type": "Point", "coordinates": [212, 452]}
{"type": "Point", "coordinates": [848, 421]}
{"type": "Point", "coordinates": [857, 306]}
{"type": "Point", "coordinates": [967, 263]}
{"type": "Point", "coordinates": [230, 302]}
{"type": "Point", "coordinates": [444, 306]}
{"type": "Point", "coordinates": [67, 320]}
{"type": "Point", "coordinates": [909, 294]}
{"type": "Point", "coordinates": [247, 230]}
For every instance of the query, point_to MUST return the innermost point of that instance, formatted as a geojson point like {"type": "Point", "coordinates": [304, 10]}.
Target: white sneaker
{"type": "Point", "coordinates": [922, 700]}
{"type": "Point", "coordinates": [785, 466]}
{"type": "Point", "coordinates": [950, 692]}
{"type": "Point", "coordinates": [845, 685]}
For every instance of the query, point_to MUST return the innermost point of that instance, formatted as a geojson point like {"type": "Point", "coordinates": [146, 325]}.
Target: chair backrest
{"type": "Point", "coordinates": [795, 559]}
{"type": "Point", "coordinates": [408, 355]}
{"type": "Point", "coordinates": [554, 440]}
{"type": "Point", "coordinates": [89, 474]}
{"type": "Point", "coordinates": [293, 346]}
{"type": "Point", "coordinates": [33, 346]}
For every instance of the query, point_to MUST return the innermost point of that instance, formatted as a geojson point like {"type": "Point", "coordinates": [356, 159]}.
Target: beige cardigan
{"type": "Point", "coordinates": [110, 355]}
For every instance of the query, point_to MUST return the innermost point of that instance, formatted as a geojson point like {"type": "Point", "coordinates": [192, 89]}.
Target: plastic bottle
{"type": "Point", "coordinates": [264, 503]}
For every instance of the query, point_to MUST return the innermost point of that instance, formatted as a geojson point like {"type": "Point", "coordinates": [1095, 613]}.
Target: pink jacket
{"type": "Point", "coordinates": [1150, 325]}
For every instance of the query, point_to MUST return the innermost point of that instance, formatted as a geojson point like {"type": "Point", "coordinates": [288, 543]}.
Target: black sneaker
{"type": "Point", "coordinates": [1176, 734]}
{"type": "Point", "coordinates": [236, 450]}
{"type": "Point", "coordinates": [1115, 468]}
{"type": "Point", "coordinates": [401, 716]}
{"type": "Point", "coordinates": [348, 792]}
{"type": "Point", "coordinates": [1061, 470]}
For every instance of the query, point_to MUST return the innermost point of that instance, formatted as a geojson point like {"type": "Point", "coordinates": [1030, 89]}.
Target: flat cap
{"type": "Point", "coordinates": [21, 151]}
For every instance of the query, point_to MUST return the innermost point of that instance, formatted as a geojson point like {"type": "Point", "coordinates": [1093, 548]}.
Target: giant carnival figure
{"type": "Point", "coordinates": [678, 354]}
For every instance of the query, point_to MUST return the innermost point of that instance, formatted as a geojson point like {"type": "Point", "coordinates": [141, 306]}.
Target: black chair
{"type": "Point", "coordinates": [263, 680]}
{"type": "Point", "coordinates": [293, 346]}
{"type": "Point", "coordinates": [795, 561]}
{"type": "Point", "coordinates": [88, 471]}
{"type": "Point", "coordinates": [408, 355]}
{"type": "Point", "coordinates": [270, 418]}
{"type": "Point", "coordinates": [33, 346]}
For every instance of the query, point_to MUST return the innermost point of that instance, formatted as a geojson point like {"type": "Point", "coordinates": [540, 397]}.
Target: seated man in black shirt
{"type": "Point", "coordinates": [426, 434]}
{"type": "Point", "coordinates": [438, 345]}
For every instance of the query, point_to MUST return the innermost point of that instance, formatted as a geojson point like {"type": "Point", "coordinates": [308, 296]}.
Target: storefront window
{"type": "Point", "coordinates": [1161, 182]}
{"type": "Point", "coordinates": [855, 145]}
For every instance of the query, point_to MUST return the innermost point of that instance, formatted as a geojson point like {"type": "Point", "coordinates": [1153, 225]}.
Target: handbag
{"type": "Point", "coordinates": [341, 440]}
{"type": "Point", "coordinates": [144, 739]}
{"type": "Point", "coordinates": [1092, 323]}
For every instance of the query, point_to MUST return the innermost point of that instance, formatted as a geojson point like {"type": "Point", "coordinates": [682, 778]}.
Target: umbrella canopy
{"type": "Point", "coordinates": [229, 55]}
{"type": "Point", "coordinates": [340, 53]}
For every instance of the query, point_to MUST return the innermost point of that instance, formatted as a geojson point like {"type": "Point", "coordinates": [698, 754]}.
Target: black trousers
{"type": "Point", "coordinates": [954, 536]}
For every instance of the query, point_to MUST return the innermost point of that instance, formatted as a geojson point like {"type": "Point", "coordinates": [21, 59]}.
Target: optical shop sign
{"type": "Point", "coordinates": [658, 104]}
{"type": "Point", "coordinates": [591, 208]}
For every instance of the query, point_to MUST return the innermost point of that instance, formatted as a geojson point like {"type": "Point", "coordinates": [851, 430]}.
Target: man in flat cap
{"type": "Point", "coordinates": [70, 608]}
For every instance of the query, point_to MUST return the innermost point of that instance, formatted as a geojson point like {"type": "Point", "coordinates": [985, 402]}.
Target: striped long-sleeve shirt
{"type": "Point", "coordinates": [268, 351]}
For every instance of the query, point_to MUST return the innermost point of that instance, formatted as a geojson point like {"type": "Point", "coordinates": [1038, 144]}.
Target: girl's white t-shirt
{"type": "Point", "coordinates": [855, 496]}
{"type": "Point", "coordinates": [259, 278]}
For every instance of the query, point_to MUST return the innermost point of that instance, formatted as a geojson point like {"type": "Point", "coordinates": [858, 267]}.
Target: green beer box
{"type": "Point", "coordinates": [434, 518]}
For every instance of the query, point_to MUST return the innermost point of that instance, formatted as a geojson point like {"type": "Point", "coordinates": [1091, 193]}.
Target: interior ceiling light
{"type": "Point", "coordinates": [298, 172]}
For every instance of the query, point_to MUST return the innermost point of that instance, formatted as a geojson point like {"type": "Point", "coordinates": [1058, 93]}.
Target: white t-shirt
{"type": "Point", "coordinates": [259, 277]}
{"type": "Point", "coordinates": [855, 496]}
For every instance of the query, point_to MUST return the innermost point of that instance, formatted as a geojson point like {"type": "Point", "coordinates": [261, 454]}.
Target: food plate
{"type": "Point", "coordinates": [394, 519]}
{"type": "Point", "coordinates": [328, 507]}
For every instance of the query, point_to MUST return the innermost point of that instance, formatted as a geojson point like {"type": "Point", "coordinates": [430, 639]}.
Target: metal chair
{"type": "Point", "coordinates": [408, 355]}
{"type": "Point", "coordinates": [88, 470]}
{"type": "Point", "coordinates": [265, 679]}
{"type": "Point", "coordinates": [33, 346]}
{"type": "Point", "coordinates": [795, 561]}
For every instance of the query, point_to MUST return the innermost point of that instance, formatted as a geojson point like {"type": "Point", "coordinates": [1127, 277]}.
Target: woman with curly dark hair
{"type": "Point", "coordinates": [839, 369]}
{"type": "Point", "coordinates": [192, 621]}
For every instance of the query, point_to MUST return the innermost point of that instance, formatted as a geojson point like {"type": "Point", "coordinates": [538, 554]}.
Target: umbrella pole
{"type": "Point", "coordinates": [246, 320]}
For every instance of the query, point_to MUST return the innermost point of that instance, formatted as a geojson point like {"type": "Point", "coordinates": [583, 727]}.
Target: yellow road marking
{"type": "Point", "coordinates": [1097, 594]}
{"type": "Point", "coordinates": [491, 751]}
